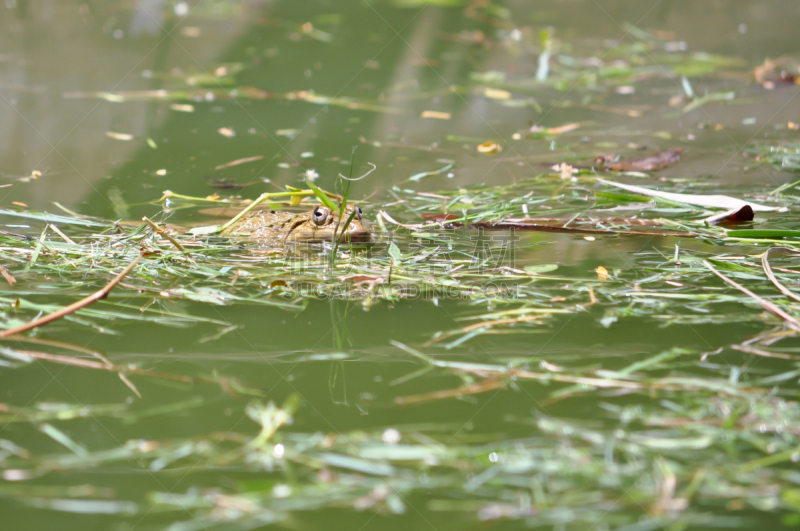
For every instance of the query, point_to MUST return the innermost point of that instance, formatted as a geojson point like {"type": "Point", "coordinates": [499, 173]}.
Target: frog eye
{"type": "Point", "coordinates": [359, 213]}
{"type": "Point", "coordinates": [319, 215]}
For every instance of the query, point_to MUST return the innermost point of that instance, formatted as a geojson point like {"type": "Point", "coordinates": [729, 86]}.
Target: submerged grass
{"type": "Point", "coordinates": [665, 461]}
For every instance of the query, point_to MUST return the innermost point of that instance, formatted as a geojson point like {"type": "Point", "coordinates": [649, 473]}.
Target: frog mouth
{"type": "Point", "coordinates": [325, 233]}
{"type": "Point", "coordinates": [320, 236]}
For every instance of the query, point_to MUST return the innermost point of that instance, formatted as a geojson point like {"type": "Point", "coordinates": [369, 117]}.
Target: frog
{"type": "Point", "coordinates": [271, 228]}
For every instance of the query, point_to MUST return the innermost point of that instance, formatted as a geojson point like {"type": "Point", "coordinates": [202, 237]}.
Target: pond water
{"type": "Point", "coordinates": [439, 377]}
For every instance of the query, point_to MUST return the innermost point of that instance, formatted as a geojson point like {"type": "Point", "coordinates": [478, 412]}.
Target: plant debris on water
{"type": "Point", "coordinates": [666, 449]}
{"type": "Point", "coordinates": [209, 427]}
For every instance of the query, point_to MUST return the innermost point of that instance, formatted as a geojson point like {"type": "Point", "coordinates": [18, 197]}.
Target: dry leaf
{"type": "Point", "coordinates": [774, 72]}
{"type": "Point", "coordinates": [708, 201]}
{"type": "Point", "coordinates": [736, 215]}
{"type": "Point", "coordinates": [602, 272]}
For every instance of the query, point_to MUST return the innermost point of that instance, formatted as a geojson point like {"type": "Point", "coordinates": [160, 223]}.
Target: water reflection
{"type": "Point", "coordinates": [414, 60]}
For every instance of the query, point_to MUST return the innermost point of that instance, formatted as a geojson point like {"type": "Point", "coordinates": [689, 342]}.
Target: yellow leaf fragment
{"type": "Point", "coordinates": [566, 128]}
{"type": "Point", "coordinates": [438, 115]}
{"type": "Point", "coordinates": [182, 107]}
{"type": "Point", "coordinates": [497, 94]}
{"type": "Point", "coordinates": [191, 31]}
{"type": "Point", "coordinates": [602, 272]}
{"type": "Point", "coordinates": [489, 148]}
{"type": "Point", "coordinates": [119, 136]}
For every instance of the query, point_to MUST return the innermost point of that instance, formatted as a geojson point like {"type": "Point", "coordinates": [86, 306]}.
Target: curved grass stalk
{"type": "Point", "coordinates": [768, 270]}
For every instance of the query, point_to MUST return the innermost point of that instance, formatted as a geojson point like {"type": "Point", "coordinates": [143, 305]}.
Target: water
{"type": "Point", "coordinates": [574, 461]}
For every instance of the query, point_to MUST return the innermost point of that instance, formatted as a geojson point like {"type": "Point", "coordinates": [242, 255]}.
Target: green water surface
{"type": "Point", "coordinates": [299, 84]}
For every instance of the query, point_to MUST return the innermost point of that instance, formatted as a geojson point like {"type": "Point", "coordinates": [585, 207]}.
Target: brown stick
{"type": "Point", "coordinates": [75, 306]}
{"type": "Point", "coordinates": [523, 225]}
{"type": "Point", "coordinates": [534, 224]}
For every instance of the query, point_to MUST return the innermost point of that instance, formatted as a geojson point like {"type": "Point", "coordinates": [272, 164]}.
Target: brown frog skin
{"type": "Point", "coordinates": [276, 228]}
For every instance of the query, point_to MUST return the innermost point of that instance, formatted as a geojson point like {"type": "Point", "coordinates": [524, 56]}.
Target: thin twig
{"type": "Point", "coordinates": [83, 303]}
{"type": "Point", "coordinates": [37, 249]}
{"type": "Point", "coordinates": [6, 275]}
{"type": "Point", "coordinates": [488, 324]}
{"type": "Point", "coordinates": [592, 297]}
{"type": "Point", "coordinates": [164, 233]}
{"type": "Point", "coordinates": [99, 365]}
{"type": "Point", "coordinates": [64, 236]}
{"type": "Point", "coordinates": [66, 346]}
{"type": "Point", "coordinates": [82, 350]}
{"type": "Point", "coordinates": [763, 353]}
{"type": "Point", "coordinates": [771, 307]}
{"type": "Point", "coordinates": [768, 270]}
{"type": "Point", "coordinates": [488, 384]}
